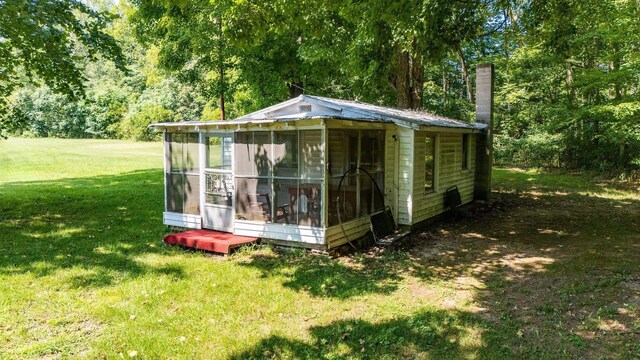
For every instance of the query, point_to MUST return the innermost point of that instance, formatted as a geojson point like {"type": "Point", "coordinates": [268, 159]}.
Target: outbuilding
{"type": "Point", "coordinates": [311, 171]}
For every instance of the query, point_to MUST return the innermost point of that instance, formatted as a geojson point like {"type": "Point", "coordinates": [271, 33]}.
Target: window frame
{"type": "Point", "coordinates": [466, 152]}
{"type": "Point", "coordinates": [434, 167]}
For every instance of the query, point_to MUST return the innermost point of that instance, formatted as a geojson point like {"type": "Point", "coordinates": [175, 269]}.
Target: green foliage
{"type": "Point", "coordinates": [535, 150]}
{"type": "Point", "coordinates": [135, 126]}
{"type": "Point", "coordinates": [567, 91]}
{"type": "Point", "coordinates": [47, 40]}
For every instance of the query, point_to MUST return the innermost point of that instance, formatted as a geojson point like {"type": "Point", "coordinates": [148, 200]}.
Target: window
{"type": "Point", "coordinates": [429, 162]}
{"type": "Point", "coordinates": [219, 152]}
{"type": "Point", "coordinates": [357, 150]}
{"type": "Point", "coordinates": [465, 151]}
{"type": "Point", "coordinates": [183, 178]}
{"type": "Point", "coordinates": [279, 176]}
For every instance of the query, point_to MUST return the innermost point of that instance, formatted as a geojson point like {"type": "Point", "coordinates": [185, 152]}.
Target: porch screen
{"type": "Point", "coordinates": [279, 176]}
{"type": "Point", "coordinates": [183, 179]}
{"type": "Point", "coordinates": [359, 150]}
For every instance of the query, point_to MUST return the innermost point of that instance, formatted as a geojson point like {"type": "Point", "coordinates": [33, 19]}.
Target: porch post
{"type": "Point", "coordinates": [202, 152]}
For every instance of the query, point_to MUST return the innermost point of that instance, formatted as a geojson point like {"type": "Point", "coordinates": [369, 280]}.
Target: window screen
{"type": "Point", "coordinates": [279, 176]}
{"type": "Point", "coordinates": [183, 180]}
{"type": "Point", "coordinates": [359, 150]}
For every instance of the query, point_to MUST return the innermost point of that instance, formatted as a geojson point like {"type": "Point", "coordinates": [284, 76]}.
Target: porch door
{"type": "Point", "coordinates": [219, 189]}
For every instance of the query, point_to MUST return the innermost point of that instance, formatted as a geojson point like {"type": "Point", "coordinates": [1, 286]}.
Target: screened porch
{"type": "Point", "coordinates": [287, 184]}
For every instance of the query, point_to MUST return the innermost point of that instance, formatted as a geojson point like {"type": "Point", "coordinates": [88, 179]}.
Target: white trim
{"type": "Point", "coordinates": [288, 232]}
{"type": "Point", "coordinates": [182, 220]}
{"type": "Point", "coordinates": [202, 153]}
{"type": "Point", "coordinates": [165, 163]}
{"type": "Point", "coordinates": [230, 209]}
{"type": "Point", "coordinates": [325, 181]}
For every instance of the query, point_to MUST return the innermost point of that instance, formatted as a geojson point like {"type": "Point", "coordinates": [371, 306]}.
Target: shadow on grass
{"type": "Point", "coordinates": [325, 277]}
{"type": "Point", "coordinates": [96, 225]}
{"type": "Point", "coordinates": [427, 334]}
{"type": "Point", "coordinates": [544, 273]}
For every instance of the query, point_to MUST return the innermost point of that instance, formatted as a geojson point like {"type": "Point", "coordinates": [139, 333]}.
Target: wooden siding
{"type": "Point", "coordinates": [449, 172]}
{"type": "Point", "coordinates": [293, 233]}
{"type": "Point", "coordinates": [355, 229]}
{"type": "Point", "coordinates": [405, 175]}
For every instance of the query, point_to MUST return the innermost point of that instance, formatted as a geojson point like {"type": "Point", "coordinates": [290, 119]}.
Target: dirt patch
{"type": "Point", "coordinates": [548, 268]}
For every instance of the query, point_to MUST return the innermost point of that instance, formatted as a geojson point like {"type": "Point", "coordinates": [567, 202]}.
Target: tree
{"type": "Point", "coordinates": [39, 38]}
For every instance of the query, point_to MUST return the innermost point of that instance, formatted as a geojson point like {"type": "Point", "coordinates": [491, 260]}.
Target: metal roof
{"type": "Point", "coordinates": [328, 108]}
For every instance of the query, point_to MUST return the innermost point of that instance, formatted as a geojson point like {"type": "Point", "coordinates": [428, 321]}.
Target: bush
{"type": "Point", "coordinates": [135, 125]}
{"type": "Point", "coordinates": [537, 150]}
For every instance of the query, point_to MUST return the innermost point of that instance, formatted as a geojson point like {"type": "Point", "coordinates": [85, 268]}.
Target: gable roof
{"type": "Point", "coordinates": [306, 107]}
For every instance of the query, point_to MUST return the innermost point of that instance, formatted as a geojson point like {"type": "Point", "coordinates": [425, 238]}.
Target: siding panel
{"type": "Point", "coordinates": [449, 173]}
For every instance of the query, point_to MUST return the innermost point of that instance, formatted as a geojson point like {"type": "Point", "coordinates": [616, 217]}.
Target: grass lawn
{"type": "Point", "coordinates": [550, 268]}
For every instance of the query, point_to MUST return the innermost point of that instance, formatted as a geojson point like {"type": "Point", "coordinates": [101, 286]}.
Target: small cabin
{"type": "Point", "coordinates": [311, 171]}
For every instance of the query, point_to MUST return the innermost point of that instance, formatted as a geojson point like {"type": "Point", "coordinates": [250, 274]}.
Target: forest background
{"type": "Point", "coordinates": [567, 71]}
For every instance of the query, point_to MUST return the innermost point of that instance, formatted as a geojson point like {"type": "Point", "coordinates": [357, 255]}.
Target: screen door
{"type": "Point", "coordinates": [219, 190]}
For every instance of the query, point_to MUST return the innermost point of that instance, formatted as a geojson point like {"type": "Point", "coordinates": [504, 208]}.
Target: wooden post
{"type": "Point", "coordinates": [484, 143]}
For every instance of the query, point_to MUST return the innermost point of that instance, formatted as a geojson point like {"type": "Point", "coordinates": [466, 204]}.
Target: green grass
{"type": "Point", "coordinates": [546, 270]}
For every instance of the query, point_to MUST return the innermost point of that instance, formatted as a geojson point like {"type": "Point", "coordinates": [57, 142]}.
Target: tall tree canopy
{"type": "Point", "coordinates": [567, 90]}
{"type": "Point", "coordinates": [45, 39]}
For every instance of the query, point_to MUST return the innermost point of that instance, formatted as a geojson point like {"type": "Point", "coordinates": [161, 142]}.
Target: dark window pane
{"type": "Point", "coordinates": [262, 153]}
{"type": "Point", "coordinates": [465, 151]}
{"type": "Point", "coordinates": [253, 199]}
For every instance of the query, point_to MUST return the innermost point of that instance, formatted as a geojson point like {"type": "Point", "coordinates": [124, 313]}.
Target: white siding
{"type": "Point", "coordinates": [293, 233]}
{"type": "Point", "coordinates": [182, 220]}
{"type": "Point", "coordinates": [449, 172]}
{"type": "Point", "coordinates": [405, 175]}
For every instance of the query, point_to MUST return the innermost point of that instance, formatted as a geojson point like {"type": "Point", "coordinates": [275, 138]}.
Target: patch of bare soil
{"type": "Point", "coordinates": [550, 270]}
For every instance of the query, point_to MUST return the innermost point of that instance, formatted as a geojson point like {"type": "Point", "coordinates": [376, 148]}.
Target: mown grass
{"type": "Point", "coordinates": [548, 269]}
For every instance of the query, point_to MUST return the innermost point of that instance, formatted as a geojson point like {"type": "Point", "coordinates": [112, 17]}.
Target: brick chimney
{"type": "Point", "coordinates": [484, 140]}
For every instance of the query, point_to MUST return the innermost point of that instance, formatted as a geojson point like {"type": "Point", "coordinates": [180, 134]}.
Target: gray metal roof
{"type": "Point", "coordinates": [328, 108]}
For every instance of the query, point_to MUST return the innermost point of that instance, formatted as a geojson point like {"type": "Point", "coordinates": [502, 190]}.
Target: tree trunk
{"type": "Point", "coordinates": [417, 77]}
{"type": "Point", "coordinates": [221, 70]}
{"type": "Point", "coordinates": [401, 82]}
{"type": "Point", "coordinates": [294, 89]}
{"type": "Point", "coordinates": [465, 75]}
{"type": "Point", "coordinates": [569, 80]}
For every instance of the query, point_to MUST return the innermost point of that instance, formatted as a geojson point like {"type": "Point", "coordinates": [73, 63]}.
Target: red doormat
{"type": "Point", "coordinates": [209, 240]}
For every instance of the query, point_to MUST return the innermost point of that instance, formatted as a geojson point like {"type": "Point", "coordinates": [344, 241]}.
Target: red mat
{"type": "Point", "coordinates": [209, 240]}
